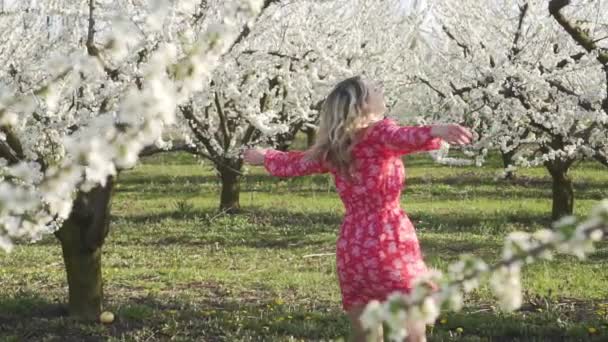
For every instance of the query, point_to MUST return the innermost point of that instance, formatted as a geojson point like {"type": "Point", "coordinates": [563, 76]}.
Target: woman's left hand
{"type": "Point", "coordinates": [452, 134]}
{"type": "Point", "coordinates": [255, 156]}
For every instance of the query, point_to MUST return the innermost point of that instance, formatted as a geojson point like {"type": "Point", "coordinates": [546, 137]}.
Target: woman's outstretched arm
{"type": "Point", "coordinates": [410, 139]}
{"type": "Point", "coordinates": [284, 164]}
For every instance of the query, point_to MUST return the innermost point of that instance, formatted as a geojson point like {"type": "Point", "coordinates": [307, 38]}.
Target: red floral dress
{"type": "Point", "coordinates": [377, 251]}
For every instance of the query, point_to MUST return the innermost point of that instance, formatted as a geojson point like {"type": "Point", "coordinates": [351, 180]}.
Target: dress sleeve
{"type": "Point", "coordinates": [291, 164]}
{"type": "Point", "coordinates": [404, 139]}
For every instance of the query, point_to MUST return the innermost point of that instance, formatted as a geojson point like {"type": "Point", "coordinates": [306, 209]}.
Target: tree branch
{"type": "Point", "coordinates": [583, 103]}
{"type": "Point", "coordinates": [523, 10]}
{"type": "Point", "coordinates": [581, 38]}
{"type": "Point", "coordinates": [203, 7]}
{"type": "Point", "coordinates": [13, 142]}
{"type": "Point", "coordinates": [247, 137]}
{"type": "Point", "coordinates": [272, 53]}
{"type": "Point", "coordinates": [195, 125]}
{"type": "Point", "coordinates": [223, 118]}
{"type": "Point", "coordinates": [245, 31]}
{"type": "Point", "coordinates": [575, 57]}
{"type": "Point", "coordinates": [92, 50]}
{"type": "Point", "coordinates": [480, 84]}
{"type": "Point", "coordinates": [601, 158]}
{"type": "Point", "coordinates": [464, 47]}
{"type": "Point", "coordinates": [439, 92]}
{"type": "Point", "coordinates": [181, 147]}
{"type": "Point", "coordinates": [8, 154]}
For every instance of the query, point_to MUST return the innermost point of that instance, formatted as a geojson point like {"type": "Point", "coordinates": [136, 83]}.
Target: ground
{"type": "Point", "coordinates": [175, 269]}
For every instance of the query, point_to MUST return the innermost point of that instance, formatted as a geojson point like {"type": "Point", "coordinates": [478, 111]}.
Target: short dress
{"type": "Point", "coordinates": [377, 251]}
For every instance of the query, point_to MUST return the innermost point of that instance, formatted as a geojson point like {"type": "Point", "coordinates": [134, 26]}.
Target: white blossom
{"type": "Point", "coordinates": [75, 120]}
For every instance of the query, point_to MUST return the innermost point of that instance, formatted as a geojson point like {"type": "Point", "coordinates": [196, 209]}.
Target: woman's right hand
{"type": "Point", "coordinates": [452, 134]}
{"type": "Point", "coordinates": [255, 156]}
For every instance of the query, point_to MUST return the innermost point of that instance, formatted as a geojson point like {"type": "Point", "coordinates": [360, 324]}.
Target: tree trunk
{"type": "Point", "coordinates": [82, 235]}
{"type": "Point", "coordinates": [311, 135]}
{"type": "Point", "coordinates": [283, 141]}
{"type": "Point", "coordinates": [283, 146]}
{"type": "Point", "coordinates": [507, 160]}
{"type": "Point", "coordinates": [563, 192]}
{"type": "Point", "coordinates": [230, 175]}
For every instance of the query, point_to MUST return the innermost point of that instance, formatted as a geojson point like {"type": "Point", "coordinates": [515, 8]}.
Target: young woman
{"type": "Point", "coordinates": [377, 250]}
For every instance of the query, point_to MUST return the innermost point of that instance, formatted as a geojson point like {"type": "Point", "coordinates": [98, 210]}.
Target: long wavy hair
{"type": "Point", "coordinates": [343, 115]}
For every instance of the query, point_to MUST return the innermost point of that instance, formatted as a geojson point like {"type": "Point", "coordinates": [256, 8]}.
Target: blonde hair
{"type": "Point", "coordinates": [343, 114]}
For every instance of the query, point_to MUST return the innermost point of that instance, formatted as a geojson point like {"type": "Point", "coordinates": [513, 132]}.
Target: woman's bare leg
{"type": "Point", "coordinates": [416, 332]}
{"type": "Point", "coordinates": [358, 332]}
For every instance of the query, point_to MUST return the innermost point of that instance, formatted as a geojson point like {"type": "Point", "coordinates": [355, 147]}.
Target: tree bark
{"type": "Point", "coordinates": [311, 135]}
{"type": "Point", "coordinates": [82, 236]}
{"type": "Point", "coordinates": [230, 175]}
{"type": "Point", "coordinates": [507, 160]}
{"type": "Point", "coordinates": [563, 191]}
{"type": "Point", "coordinates": [284, 145]}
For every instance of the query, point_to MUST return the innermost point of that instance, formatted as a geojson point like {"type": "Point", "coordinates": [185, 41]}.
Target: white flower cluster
{"type": "Point", "coordinates": [399, 308]}
{"type": "Point", "coordinates": [94, 112]}
{"type": "Point", "coordinates": [513, 74]}
{"type": "Point", "coordinates": [423, 303]}
{"type": "Point", "coordinates": [273, 81]}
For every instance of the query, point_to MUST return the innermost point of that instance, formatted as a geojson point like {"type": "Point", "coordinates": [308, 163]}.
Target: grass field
{"type": "Point", "coordinates": [175, 269]}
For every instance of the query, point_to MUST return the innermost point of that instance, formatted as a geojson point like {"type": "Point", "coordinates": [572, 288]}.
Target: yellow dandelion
{"type": "Point", "coordinates": [444, 321]}
{"type": "Point", "coordinates": [592, 330]}
{"type": "Point", "coordinates": [279, 301]}
{"type": "Point", "coordinates": [459, 330]}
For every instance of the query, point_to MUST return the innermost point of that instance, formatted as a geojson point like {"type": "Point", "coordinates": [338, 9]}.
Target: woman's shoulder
{"type": "Point", "coordinates": [378, 128]}
{"type": "Point", "coordinates": [373, 134]}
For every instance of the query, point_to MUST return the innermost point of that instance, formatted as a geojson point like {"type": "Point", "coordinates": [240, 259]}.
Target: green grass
{"type": "Point", "coordinates": [176, 269]}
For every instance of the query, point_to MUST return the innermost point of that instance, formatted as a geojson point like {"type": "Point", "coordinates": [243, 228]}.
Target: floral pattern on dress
{"type": "Point", "coordinates": [377, 251]}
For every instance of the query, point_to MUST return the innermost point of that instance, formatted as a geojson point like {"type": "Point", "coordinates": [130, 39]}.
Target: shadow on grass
{"type": "Point", "coordinates": [215, 314]}
{"type": "Point", "coordinates": [528, 326]}
{"type": "Point", "coordinates": [165, 186]}
{"type": "Point", "coordinates": [474, 184]}
{"type": "Point", "coordinates": [252, 215]}
{"type": "Point", "coordinates": [139, 179]}
{"type": "Point", "coordinates": [29, 305]}
{"type": "Point", "coordinates": [263, 227]}
{"type": "Point", "coordinates": [283, 228]}
{"type": "Point", "coordinates": [257, 228]}
{"type": "Point", "coordinates": [448, 249]}
{"type": "Point", "coordinates": [473, 179]}
{"type": "Point", "coordinates": [474, 222]}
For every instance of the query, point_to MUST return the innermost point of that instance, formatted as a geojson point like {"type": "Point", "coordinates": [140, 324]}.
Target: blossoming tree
{"type": "Point", "coordinates": [87, 89]}
{"type": "Point", "coordinates": [536, 96]}
{"type": "Point", "coordinates": [567, 236]}
{"type": "Point", "coordinates": [271, 84]}
{"type": "Point", "coordinates": [250, 100]}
